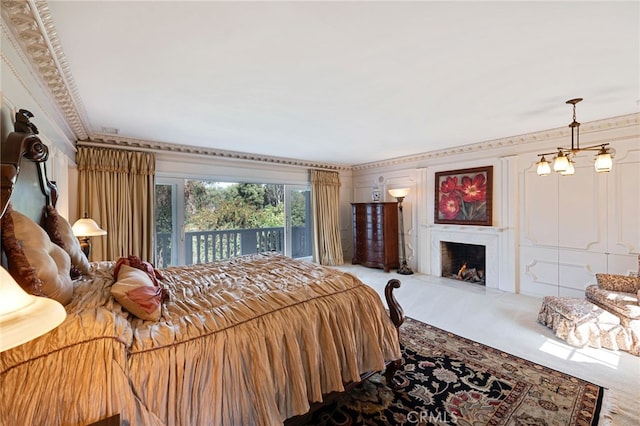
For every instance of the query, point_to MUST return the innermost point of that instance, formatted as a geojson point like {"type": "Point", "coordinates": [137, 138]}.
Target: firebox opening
{"type": "Point", "coordinates": [464, 262]}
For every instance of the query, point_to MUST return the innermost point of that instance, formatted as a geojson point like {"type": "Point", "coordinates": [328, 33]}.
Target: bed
{"type": "Point", "coordinates": [259, 339]}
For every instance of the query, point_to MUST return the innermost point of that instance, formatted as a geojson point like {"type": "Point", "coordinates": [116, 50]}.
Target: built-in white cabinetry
{"type": "Point", "coordinates": [573, 227]}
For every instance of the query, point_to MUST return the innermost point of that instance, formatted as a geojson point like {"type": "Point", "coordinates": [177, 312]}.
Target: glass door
{"type": "Point", "coordinates": [169, 231]}
{"type": "Point", "coordinates": [298, 221]}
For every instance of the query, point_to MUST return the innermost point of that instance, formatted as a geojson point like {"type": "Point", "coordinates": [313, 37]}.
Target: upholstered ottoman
{"type": "Point", "coordinates": [581, 323]}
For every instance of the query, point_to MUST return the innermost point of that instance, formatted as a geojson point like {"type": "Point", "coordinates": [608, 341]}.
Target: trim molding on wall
{"type": "Point", "coordinates": [521, 140]}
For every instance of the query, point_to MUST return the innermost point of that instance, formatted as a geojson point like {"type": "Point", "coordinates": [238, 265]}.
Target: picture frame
{"type": "Point", "coordinates": [464, 196]}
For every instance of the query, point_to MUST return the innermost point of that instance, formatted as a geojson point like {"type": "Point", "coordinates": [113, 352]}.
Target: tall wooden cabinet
{"type": "Point", "coordinates": [375, 235]}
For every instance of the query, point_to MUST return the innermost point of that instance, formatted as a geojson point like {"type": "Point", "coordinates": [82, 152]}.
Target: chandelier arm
{"type": "Point", "coordinates": [575, 151]}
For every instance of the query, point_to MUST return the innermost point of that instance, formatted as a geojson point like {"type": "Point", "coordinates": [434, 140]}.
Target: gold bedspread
{"type": "Point", "coordinates": [246, 341]}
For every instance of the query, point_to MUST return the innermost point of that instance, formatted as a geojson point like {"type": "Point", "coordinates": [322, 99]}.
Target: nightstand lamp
{"type": "Point", "coordinates": [84, 229]}
{"type": "Point", "coordinates": [24, 317]}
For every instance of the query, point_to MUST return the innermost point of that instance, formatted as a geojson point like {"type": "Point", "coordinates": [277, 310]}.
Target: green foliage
{"type": "Point", "coordinates": [299, 201]}
{"type": "Point", "coordinates": [163, 209]}
{"type": "Point", "coordinates": [213, 205]}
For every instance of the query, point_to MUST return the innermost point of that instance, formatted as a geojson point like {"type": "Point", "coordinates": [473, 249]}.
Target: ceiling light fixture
{"type": "Point", "coordinates": [563, 161]}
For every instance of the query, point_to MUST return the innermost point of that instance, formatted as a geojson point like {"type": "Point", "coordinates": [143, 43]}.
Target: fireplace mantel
{"type": "Point", "coordinates": [467, 228]}
{"type": "Point", "coordinates": [489, 236]}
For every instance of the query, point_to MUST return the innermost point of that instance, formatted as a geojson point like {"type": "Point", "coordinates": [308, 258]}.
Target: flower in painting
{"type": "Point", "coordinates": [463, 197]}
{"type": "Point", "coordinates": [450, 184]}
{"type": "Point", "coordinates": [449, 206]}
{"type": "Point", "coordinates": [474, 189]}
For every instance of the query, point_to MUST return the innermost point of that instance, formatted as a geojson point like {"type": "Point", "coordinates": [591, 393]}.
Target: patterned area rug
{"type": "Point", "coordinates": [450, 380]}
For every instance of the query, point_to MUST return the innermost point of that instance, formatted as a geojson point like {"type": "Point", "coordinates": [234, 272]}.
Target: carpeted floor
{"type": "Point", "coordinates": [449, 380]}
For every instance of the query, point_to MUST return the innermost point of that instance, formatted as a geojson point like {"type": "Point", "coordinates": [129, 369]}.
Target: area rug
{"type": "Point", "coordinates": [446, 379]}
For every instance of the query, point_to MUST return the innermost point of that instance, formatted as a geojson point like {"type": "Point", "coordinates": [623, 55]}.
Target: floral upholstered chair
{"type": "Point", "coordinates": [620, 295]}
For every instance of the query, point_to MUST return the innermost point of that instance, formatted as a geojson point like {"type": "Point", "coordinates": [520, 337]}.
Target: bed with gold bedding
{"type": "Point", "coordinates": [246, 341]}
{"type": "Point", "coordinates": [253, 340]}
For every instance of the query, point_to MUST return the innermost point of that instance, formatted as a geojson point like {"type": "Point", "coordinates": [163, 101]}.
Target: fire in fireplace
{"type": "Point", "coordinates": [464, 262]}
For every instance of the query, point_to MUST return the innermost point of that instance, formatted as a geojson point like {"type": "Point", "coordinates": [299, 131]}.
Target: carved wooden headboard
{"type": "Point", "coordinates": [23, 173]}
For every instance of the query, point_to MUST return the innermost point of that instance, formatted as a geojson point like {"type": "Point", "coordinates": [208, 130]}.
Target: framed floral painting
{"type": "Point", "coordinates": [463, 197]}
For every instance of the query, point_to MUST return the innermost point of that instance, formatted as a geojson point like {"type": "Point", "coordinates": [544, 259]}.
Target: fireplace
{"type": "Point", "coordinates": [464, 262]}
{"type": "Point", "coordinates": [499, 268]}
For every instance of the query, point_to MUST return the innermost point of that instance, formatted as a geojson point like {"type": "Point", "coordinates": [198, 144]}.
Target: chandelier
{"type": "Point", "coordinates": [564, 159]}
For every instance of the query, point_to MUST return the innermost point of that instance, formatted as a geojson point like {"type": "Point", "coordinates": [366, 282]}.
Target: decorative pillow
{"type": "Point", "coordinates": [50, 262]}
{"type": "Point", "coordinates": [60, 232]}
{"type": "Point", "coordinates": [136, 262]}
{"type": "Point", "coordinates": [19, 267]}
{"type": "Point", "coordinates": [616, 282]}
{"type": "Point", "coordinates": [135, 291]}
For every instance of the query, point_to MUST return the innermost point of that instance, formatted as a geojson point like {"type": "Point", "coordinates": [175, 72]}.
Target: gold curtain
{"type": "Point", "coordinates": [325, 202]}
{"type": "Point", "coordinates": [116, 189]}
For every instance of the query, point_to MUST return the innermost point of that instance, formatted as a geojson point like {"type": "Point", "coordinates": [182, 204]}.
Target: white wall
{"type": "Point", "coordinates": [552, 233]}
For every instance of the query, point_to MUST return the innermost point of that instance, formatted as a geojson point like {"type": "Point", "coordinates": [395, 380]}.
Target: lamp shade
{"type": "Point", "coordinates": [24, 317]}
{"type": "Point", "coordinates": [560, 163]}
{"type": "Point", "coordinates": [543, 168]}
{"type": "Point", "coordinates": [603, 161]}
{"type": "Point", "coordinates": [570, 169]}
{"type": "Point", "coordinates": [399, 193]}
{"type": "Point", "coordinates": [87, 227]}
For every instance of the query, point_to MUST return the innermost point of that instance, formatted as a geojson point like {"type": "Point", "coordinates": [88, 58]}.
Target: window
{"type": "Point", "coordinates": [202, 221]}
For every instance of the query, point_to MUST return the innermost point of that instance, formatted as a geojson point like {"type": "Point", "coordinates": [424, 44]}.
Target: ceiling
{"type": "Point", "coordinates": [346, 82]}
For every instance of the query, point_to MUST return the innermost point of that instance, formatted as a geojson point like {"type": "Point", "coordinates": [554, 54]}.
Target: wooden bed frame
{"type": "Point", "coordinates": [36, 192]}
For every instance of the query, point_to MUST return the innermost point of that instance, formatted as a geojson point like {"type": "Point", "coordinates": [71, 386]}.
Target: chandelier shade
{"type": "Point", "coordinates": [604, 162]}
{"type": "Point", "coordinates": [564, 162]}
{"type": "Point", "coordinates": [544, 168]}
{"type": "Point", "coordinates": [569, 170]}
{"type": "Point", "coordinates": [560, 163]}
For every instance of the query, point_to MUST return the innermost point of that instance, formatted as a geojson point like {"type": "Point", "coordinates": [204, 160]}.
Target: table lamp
{"type": "Point", "coordinates": [84, 229]}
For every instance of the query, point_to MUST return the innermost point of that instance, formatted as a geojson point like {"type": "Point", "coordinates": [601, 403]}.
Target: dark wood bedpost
{"type": "Point", "coordinates": [395, 310]}
{"type": "Point", "coordinates": [397, 317]}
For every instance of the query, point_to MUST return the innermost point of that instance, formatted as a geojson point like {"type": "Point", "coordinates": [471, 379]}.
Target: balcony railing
{"type": "Point", "coordinates": [209, 246]}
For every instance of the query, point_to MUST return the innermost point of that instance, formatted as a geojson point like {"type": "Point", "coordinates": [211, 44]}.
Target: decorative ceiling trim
{"type": "Point", "coordinates": [112, 141]}
{"type": "Point", "coordinates": [31, 23]}
{"type": "Point", "coordinates": [631, 120]}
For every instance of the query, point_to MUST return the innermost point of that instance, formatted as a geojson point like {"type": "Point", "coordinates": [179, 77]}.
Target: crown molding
{"type": "Point", "coordinates": [630, 120]}
{"type": "Point", "coordinates": [107, 140]}
{"type": "Point", "coordinates": [31, 24]}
